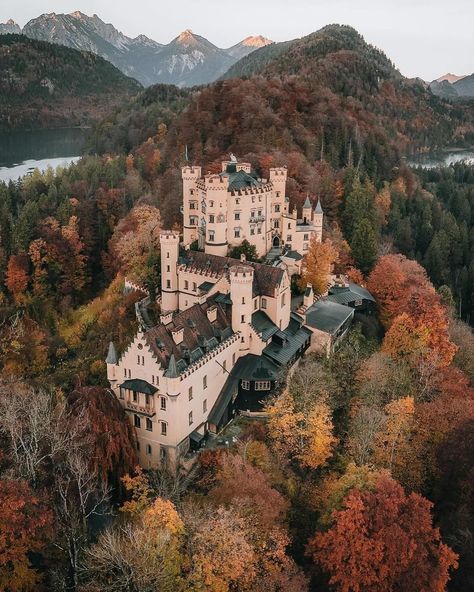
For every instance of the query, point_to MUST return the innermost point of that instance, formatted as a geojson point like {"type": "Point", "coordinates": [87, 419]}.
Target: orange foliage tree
{"type": "Point", "coordinates": [17, 277]}
{"type": "Point", "coordinates": [317, 265]}
{"type": "Point", "coordinates": [384, 540]}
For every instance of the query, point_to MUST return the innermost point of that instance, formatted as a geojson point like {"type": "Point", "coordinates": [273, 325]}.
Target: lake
{"type": "Point", "coordinates": [23, 151]}
{"type": "Point", "coordinates": [431, 160]}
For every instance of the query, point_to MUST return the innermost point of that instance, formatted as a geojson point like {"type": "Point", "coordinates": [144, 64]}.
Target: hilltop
{"type": "Point", "coordinates": [45, 85]}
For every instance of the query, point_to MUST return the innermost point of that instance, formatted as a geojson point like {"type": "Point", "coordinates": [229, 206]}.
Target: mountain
{"type": "Point", "coordinates": [465, 86]}
{"type": "Point", "coordinates": [449, 77]}
{"type": "Point", "coordinates": [247, 46]}
{"type": "Point", "coordinates": [46, 85]}
{"type": "Point", "coordinates": [187, 61]}
{"type": "Point", "coordinates": [10, 27]}
{"type": "Point", "coordinates": [443, 89]}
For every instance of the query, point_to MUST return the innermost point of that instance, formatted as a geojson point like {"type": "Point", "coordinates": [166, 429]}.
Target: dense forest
{"type": "Point", "coordinates": [362, 475]}
{"type": "Point", "coordinates": [46, 85]}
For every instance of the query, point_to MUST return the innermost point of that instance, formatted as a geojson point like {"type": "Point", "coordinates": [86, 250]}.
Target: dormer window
{"type": "Point", "coordinates": [178, 335]}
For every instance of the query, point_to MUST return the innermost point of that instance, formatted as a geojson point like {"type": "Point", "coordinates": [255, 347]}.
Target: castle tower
{"type": "Point", "coordinates": [216, 215]}
{"type": "Point", "coordinates": [307, 211]}
{"type": "Point", "coordinates": [191, 206]}
{"type": "Point", "coordinates": [318, 221]}
{"type": "Point", "coordinates": [112, 361]}
{"type": "Point", "coordinates": [169, 242]}
{"type": "Point", "coordinates": [241, 281]}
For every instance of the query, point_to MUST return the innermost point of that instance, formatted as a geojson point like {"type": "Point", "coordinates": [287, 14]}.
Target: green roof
{"type": "Point", "coordinates": [293, 338]}
{"type": "Point", "coordinates": [241, 180]}
{"type": "Point", "coordinates": [263, 325]}
{"type": "Point", "coordinates": [205, 287]}
{"type": "Point", "coordinates": [347, 294]}
{"type": "Point", "coordinates": [139, 386]}
{"type": "Point", "coordinates": [328, 316]}
{"type": "Point", "coordinates": [250, 367]}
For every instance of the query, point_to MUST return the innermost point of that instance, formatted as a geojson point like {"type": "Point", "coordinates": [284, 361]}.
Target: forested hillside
{"type": "Point", "coordinates": [368, 449]}
{"type": "Point", "coordinates": [46, 85]}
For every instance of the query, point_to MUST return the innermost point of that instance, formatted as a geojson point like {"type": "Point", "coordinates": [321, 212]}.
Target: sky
{"type": "Point", "coordinates": [425, 38]}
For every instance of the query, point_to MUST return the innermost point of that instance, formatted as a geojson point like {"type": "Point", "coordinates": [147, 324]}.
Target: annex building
{"type": "Point", "coordinates": [228, 331]}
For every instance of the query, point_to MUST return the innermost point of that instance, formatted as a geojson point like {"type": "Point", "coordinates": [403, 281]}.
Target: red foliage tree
{"type": "Point", "coordinates": [24, 522]}
{"type": "Point", "coordinates": [384, 540]}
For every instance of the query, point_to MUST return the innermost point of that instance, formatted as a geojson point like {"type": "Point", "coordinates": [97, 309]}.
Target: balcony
{"type": "Point", "coordinates": [147, 410]}
{"type": "Point", "coordinates": [255, 219]}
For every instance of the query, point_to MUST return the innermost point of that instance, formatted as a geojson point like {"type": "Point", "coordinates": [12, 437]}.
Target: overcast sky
{"type": "Point", "coordinates": [424, 38]}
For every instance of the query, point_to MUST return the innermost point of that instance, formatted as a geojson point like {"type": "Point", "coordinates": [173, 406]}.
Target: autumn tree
{"type": "Point", "coordinates": [384, 540]}
{"type": "Point", "coordinates": [317, 265]}
{"type": "Point", "coordinates": [306, 438]}
{"type": "Point", "coordinates": [17, 277]}
{"type": "Point", "coordinates": [24, 525]}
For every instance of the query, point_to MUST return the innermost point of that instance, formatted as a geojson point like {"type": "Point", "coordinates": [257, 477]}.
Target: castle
{"type": "Point", "coordinates": [227, 330]}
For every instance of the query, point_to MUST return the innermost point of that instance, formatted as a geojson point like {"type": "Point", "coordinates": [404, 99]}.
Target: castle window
{"type": "Point", "coordinates": [211, 236]}
{"type": "Point", "coordinates": [168, 283]}
{"type": "Point", "coordinates": [138, 360]}
{"type": "Point", "coordinates": [204, 382]}
{"type": "Point", "coordinates": [259, 230]}
{"type": "Point", "coordinates": [289, 225]}
{"type": "Point", "coordinates": [252, 231]}
{"type": "Point", "coordinates": [246, 385]}
{"type": "Point", "coordinates": [162, 453]}
{"type": "Point", "coordinates": [211, 204]}
{"type": "Point", "coordinates": [149, 424]}
{"type": "Point", "coordinates": [233, 359]}
{"type": "Point", "coordinates": [135, 397]}
{"type": "Point", "coordinates": [125, 372]}
{"type": "Point", "coordinates": [288, 238]}
{"type": "Point", "coordinates": [255, 304]}
{"type": "Point", "coordinates": [148, 449]}
{"type": "Point", "coordinates": [211, 218]}
{"type": "Point", "coordinates": [163, 403]}
{"type": "Point", "coordinates": [277, 194]}
{"type": "Point", "coordinates": [186, 284]}
{"type": "Point", "coordinates": [263, 385]}
{"type": "Point", "coordinates": [283, 300]}
{"type": "Point", "coordinates": [259, 212]}
{"type": "Point", "coordinates": [143, 360]}
{"type": "Point", "coordinates": [167, 255]}
{"type": "Point", "coordinates": [204, 406]}
{"type": "Point", "coordinates": [243, 299]}
{"type": "Point", "coordinates": [306, 237]}
{"type": "Point", "coordinates": [164, 428]}
{"type": "Point", "coordinates": [264, 303]}
{"type": "Point", "coordinates": [237, 216]}
{"type": "Point", "coordinates": [237, 201]}
{"type": "Point", "coordinates": [122, 393]}
{"type": "Point", "coordinates": [190, 418]}
{"type": "Point", "coordinates": [277, 207]}
{"type": "Point", "coordinates": [190, 393]}
{"type": "Point", "coordinates": [236, 233]}
{"type": "Point", "coordinates": [224, 365]}
{"type": "Point", "coordinates": [193, 221]}
{"type": "Point", "coordinates": [136, 421]}
{"type": "Point", "coordinates": [168, 268]}
{"type": "Point", "coordinates": [129, 373]}
{"type": "Point", "coordinates": [147, 400]}
{"type": "Point", "coordinates": [194, 286]}
{"type": "Point", "coordinates": [193, 205]}
{"type": "Point", "coordinates": [242, 318]}
{"type": "Point", "coordinates": [305, 246]}
{"type": "Point", "coordinates": [276, 223]}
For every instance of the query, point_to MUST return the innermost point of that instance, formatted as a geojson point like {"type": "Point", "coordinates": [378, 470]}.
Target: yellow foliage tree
{"type": "Point", "coordinates": [305, 437]}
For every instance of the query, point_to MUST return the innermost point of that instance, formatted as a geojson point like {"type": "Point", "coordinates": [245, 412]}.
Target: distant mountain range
{"type": "Point", "coordinates": [188, 60]}
{"type": "Point", "coordinates": [451, 86]}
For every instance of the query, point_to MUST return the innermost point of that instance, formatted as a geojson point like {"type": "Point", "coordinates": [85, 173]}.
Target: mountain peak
{"type": "Point", "coordinates": [185, 35]}
{"type": "Point", "coordinates": [449, 78]}
{"type": "Point", "coordinates": [256, 41]}
{"type": "Point", "coordinates": [10, 22]}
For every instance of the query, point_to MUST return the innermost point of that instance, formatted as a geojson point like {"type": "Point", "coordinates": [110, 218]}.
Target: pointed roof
{"type": "Point", "coordinates": [307, 203]}
{"type": "Point", "coordinates": [112, 357]}
{"type": "Point", "coordinates": [318, 209]}
{"type": "Point", "coordinates": [172, 371]}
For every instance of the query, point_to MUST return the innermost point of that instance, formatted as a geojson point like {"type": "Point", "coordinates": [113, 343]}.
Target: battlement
{"type": "Point", "coordinates": [281, 172]}
{"type": "Point", "coordinates": [191, 172]}
{"type": "Point", "coordinates": [243, 272]}
{"type": "Point", "coordinates": [169, 236]}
